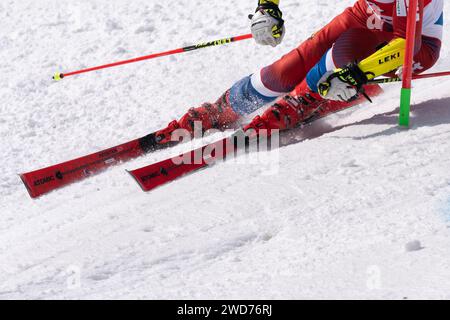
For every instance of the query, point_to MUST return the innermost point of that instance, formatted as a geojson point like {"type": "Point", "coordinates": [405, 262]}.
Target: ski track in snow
{"type": "Point", "coordinates": [333, 223]}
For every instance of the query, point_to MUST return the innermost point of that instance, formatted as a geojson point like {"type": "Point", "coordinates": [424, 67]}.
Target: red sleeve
{"type": "Point", "coordinates": [400, 21]}
{"type": "Point", "coordinates": [426, 50]}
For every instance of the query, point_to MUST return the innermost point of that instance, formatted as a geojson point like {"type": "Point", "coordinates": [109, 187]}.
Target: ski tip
{"type": "Point", "coordinates": [131, 173]}
{"type": "Point", "coordinates": [27, 185]}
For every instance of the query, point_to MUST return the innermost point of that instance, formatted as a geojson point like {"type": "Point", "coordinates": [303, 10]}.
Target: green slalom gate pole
{"type": "Point", "coordinates": [405, 98]}
{"type": "Point", "coordinates": [405, 107]}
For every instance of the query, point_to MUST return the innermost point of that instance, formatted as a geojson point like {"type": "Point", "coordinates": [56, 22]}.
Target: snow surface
{"type": "Point", "coordinates": [337, 221]}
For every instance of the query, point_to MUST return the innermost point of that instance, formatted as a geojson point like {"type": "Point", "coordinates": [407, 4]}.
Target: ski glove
{"type": "Point", "coordinates": [267, 24]}
{"type": "Point", "coordinates": [343, 84]}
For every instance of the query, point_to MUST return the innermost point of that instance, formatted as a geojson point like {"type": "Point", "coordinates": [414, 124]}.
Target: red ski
{"type": "Point", "coordinates": [45, 180]}
{"type": "Point", "coordinates": [155, 175]}
{"type": "Point", "coordinates": [48, 179]}
{"type": "Point", "coordinates": [158, 174]}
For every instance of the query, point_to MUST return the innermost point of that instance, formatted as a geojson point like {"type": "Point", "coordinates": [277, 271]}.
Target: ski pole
{"type": "Point", "coordinates": [415, 77]}
{"type": "Point", "coordinates": [59, 76]}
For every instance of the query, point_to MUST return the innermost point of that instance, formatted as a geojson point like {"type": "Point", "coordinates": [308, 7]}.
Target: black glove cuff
{"type": "Point", "coordinates": [274, 12]}
{"type": "Point", "coordinates": [357, 74]}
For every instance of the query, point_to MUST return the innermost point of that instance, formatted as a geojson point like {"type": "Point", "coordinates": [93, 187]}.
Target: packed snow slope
{"type": "Point", "coordinates": [336, 216]}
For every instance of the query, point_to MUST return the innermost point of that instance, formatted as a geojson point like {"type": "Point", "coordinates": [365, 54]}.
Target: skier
{"type": "Point", "coordinates": [331, 69]}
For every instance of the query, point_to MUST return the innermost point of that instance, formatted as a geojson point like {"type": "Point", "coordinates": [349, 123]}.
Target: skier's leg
{"type": "Point", "coordinates": [353, 45]}
{"type": "Point", "coordinates": [271, 82]}
{"type": "Point", "coordinates": [218, 115]}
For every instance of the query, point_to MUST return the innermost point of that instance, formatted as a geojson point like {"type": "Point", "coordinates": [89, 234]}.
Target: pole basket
{"type": "Point", "coordinates": [405, 97]}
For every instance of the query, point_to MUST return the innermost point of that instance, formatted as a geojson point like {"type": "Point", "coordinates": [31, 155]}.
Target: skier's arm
{"type": "Point", "coordinates": [345, 83]}
{"type": "Point", "coordinates": [391, 57]}
{"type": "Point", "coordinates": [428, 32]}
{"type": "Point", "coordinates": [426, 48]}
{"type": "Point", "coordinates": [400, 21]}
{"type": "Point", "coordinates": [267, 24]}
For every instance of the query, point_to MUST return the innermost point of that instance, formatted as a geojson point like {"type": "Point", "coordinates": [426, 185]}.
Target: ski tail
{"type": "Point", "coordinates": [43, 181]}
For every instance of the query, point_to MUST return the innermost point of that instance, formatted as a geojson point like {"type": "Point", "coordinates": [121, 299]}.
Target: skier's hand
{"type": "Point", "coordinates": [342, 84]}
{"type": "Point", "coordinates": [267, 24]}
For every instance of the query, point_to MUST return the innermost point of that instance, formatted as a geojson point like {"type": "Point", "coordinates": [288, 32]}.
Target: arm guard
{"type": "Point", "coordinates": [385, 60]}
